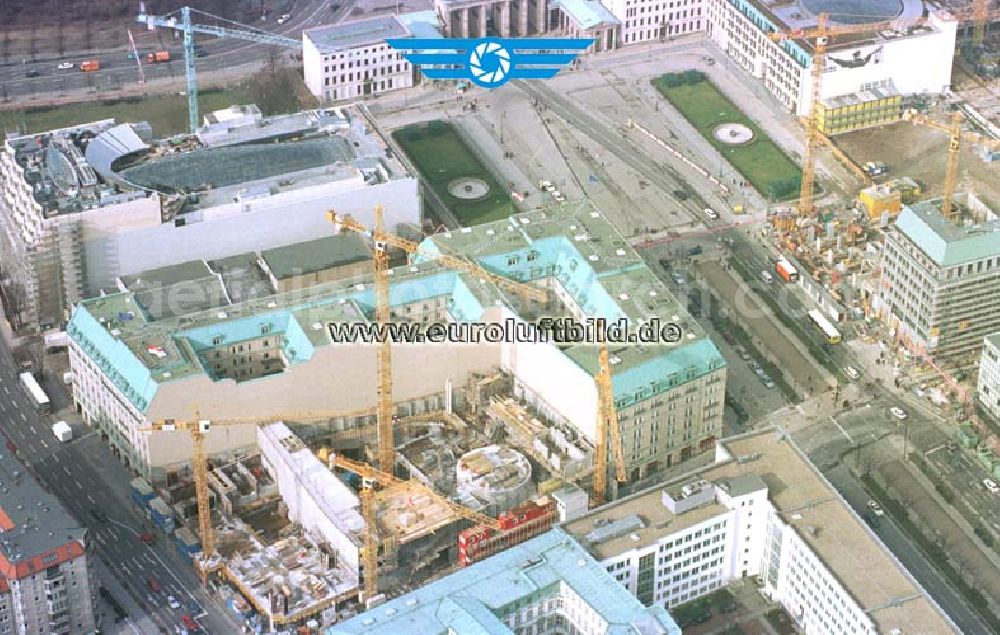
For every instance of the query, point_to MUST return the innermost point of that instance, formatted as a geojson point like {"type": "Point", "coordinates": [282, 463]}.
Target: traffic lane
{"type": "Point", "coordinates": [914, 561]}
{"type": "Point", "coordinates": [965, 475]}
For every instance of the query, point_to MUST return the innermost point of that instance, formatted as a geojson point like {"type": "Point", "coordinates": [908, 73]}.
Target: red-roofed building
{"type": "Point", "coordinates": [46, 584]}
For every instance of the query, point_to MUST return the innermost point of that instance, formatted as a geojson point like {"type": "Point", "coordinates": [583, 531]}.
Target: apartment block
{"type": "Point", "coordinates": [47, 584]}
{"type": "Point", "coordinates": [656, 20]}
{"type": "Point", "coordinates": [760, 511]}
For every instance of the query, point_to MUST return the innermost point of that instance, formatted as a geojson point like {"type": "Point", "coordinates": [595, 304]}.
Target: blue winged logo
{"type": "Point", "coordinates": [490, 62]}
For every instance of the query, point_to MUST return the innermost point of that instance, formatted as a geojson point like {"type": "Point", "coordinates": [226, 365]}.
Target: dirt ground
{"type": "Point", "coordinates": [921, 153]}
{"type": "Point", "coordinates": [972, 564]}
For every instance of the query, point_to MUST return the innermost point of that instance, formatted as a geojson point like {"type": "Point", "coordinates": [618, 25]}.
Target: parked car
{"type": "Point", "coordinates": [766, 277]}
{"type": "Point", "coordinates": [742, 352]}
{"type": "Point", "coordinates": [677, 277]}
{"type": "Point", "coordinates": [711, 213]}
{"type": "Point", "coordinates": [852, 372]}
{"type": "Point", "coordinates": [876, 508]}
{"type": "Point", "coordinates": [767, 381]}
{"type": "Point", "coordinates": [32, 74]}
{"type": "Point", "coordinates": [172, 602]}
{"type": "Point", "coordinates": [991, 485]}
{"type": "Point", "coordinates": [898, 412]}
{"type": "Point", "coordinates": [147, 537]}
{"type": "Point", "coordinates": [154, 584]}
{"type": "Point", "coordinates": [65, 66]}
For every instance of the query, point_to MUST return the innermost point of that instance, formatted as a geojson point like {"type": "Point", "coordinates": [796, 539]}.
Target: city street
{"type": "Point", "coordinates": [94, 486]}
{"type": "Point", "coordinates": [118, 71]}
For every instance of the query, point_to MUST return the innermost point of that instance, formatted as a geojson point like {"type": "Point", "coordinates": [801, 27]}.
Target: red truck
{"type": "Point", "coordinates": [158, 57]}
{"type": "Point", "coordinates": [787, 272]}
{"type": "Point", "coordinates": [89, 66]}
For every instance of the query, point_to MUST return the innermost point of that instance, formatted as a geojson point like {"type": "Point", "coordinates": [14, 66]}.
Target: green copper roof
{"type": "Point", "coordinates": [477, 599]}
{"type": "Point", "coordinates": [946, 243]}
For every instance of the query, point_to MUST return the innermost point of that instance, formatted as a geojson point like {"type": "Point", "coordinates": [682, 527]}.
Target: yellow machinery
{"type": "Point", "coordinates": [819, 36]}
{"type": "Point", "coordinates": [607, 425]}
{"type": "Point", "coordinates": [197, 429]}
{"type": "Point", "coordinates": [370, 476]}
{"type": "Point", "coordinates": [956, 137]}
{"type": "Point", "coordinates": [381, 241]}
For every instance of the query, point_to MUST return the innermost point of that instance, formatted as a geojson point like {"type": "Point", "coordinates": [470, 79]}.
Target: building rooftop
{"type": "Point", "coordinates": [804, 499]}
{"type": "Point", "coordinates": [348, 35]}
{"type": "Point", "coordinates": [573, 242]}
{"type": "Point", "coordinates": [479, 598]}
{"type": "Point", "coordinates": [947, 243]}
{"type": "Point", "coordinates": [586, 13]}
{"type": "Point", "coordinates": [316, 255]}
{"type": "Point", "coordinates": [58, 167]}
{"type": "Point", "coordinates": [37, 531]}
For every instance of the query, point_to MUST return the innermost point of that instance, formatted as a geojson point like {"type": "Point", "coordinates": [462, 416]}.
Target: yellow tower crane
{"type": "Point", "coordinates": [820, 36]}
{"type": "Point", "coordinates": [956, 136]}
{"type": "Point", "coordinates": [607, 426]}
{"type": "Point", "coordinates": [381, 240]}
{"type": "Point", "coordinates": [370, 476]}
{"type": "Point", "coordinates": [981, 12]}
{"type": "Point", "coordinates": [197, 428]}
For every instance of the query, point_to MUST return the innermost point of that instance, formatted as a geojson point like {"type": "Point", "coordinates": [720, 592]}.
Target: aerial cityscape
{"type": "Point", "coordinates": [527, 317]}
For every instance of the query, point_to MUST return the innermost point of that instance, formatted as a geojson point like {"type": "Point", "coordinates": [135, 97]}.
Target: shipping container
{"type": "Point", "coordinates": [161, 515]}
{"type": "Point", "coordinates": [62, 431]}
{"type": "Point", "coordinates": [157, 57]}
{"type": "Point", "coordinates": [142, 493]}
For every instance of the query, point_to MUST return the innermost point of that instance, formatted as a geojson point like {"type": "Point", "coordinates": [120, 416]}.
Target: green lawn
{"type": "Point", "coordinates": [761, 162]}
{"type": "Point", "coordinates": [167, 114]}
{"type": "Point", "coordinates": [442, 156]}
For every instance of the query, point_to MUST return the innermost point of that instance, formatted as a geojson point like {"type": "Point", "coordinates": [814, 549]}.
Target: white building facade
{"type": "Point", "coordinates": [916, 60]}
{"type": "Point", "coordinates": [745, 538]}
{"type": "Point", "coordinates": [988, 388]}
{"type": "Point", "coordinates": [352, 60]}
{"type": "Point", "coordinates": [655, 20]}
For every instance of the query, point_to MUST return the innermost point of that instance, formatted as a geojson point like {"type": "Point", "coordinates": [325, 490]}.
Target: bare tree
{"type": "Point", "coordinates": [88, 33]}
{"type": "Point", "coordinates": [6, 45]}
{"type": "Point", "coordinates": [60, 37]}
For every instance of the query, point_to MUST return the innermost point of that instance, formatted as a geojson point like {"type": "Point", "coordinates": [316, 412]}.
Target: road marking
{"type": "Point", "coordinates": [33, 430]}
{"type": "Point", "coordinates": [24, 417]}
{"type": "Point", "coordinates": [91, 499]}
{"type": "Point", "coordinates": [842, 431]}
{"type": "Point", "coordinates": [55, 457]}
{"type": "Point", "coordinates": [6, 390]}
{"type": "Point", "coordinates": [44, 444]}
{"type": "Point", "coordinates": [132, 626]}
{"type": "Point", "coordinates": [66, 469]}
{"type": "Point", "coordinates": [78, 486]}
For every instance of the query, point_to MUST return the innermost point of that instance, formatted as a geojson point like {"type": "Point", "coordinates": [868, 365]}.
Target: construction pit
{"type": "Point", "coordinates": [290, 530]}
{"type": "Point", "coordinates": [921, 153]}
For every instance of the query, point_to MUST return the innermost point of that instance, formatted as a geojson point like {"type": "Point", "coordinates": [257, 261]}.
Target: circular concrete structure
{"type": "Point", "coordinates": [733, 133]}
{"type": "Point", "coordinates": [469, 188]}
{"type": "Point", "coordinates": [498, 476]}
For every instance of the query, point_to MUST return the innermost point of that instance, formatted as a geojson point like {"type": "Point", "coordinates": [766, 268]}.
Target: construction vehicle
{"type": "Point", "coordinates": [90, 66]}
{"type": "Point", "coordinates": [158, 57]}
{"type": "Point", "coordinates": [188, 28]}
{"type": "Point", "coordinates": [785, 269]}
{"type": "Point", "coordinates": [954, 131]}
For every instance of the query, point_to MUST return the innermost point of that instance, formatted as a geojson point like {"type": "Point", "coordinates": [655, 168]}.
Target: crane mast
{"type": "Point", "coordinates": [188, 28]}
{"type": "Point", "coordinates": [607, 427]}
{"type": "Point", "coordinates": [384, 412]}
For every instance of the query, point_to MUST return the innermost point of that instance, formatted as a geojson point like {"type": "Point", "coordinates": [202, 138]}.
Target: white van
{"type": "Point", "coordinates": [766, 277]}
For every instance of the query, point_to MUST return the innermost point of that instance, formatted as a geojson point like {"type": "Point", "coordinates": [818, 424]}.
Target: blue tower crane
{"type": "Point", "coordinates": [188, 28]}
